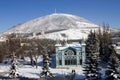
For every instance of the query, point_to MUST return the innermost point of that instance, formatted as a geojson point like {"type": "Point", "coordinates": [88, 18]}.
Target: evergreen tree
{"type": "Point", "coordinates": [91, 67]}
{"type": "Point", "coordinates": [108, 54]}
{"type": "Point", "coordinates": [112, 72]}
{"type": "Point", "coordinates": [46, 61]}
{"type": "Point", "coordinates": [104, 37]}
{"type": "Point", "coordinates": [92, 43]}
{"type": "Point", "coordinates": [13, 70]}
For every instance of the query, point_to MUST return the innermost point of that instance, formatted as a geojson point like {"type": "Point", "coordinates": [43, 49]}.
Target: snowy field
{"type": "Point", "coordinates": [33, 72]}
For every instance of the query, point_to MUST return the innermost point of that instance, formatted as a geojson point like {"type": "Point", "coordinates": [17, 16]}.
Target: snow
{"type": "Point", "coordinates": [2, 39]}
{"type": "Point", "coordinates": [33, 72]}
{"type": "Point", "coordinates": [118, 47]}
{"type": "Point", "coordinates": [29, 71]}
{"type": "Point", "coordinates": [4, 68]}
{"type": "Point", "coordinates": [55, 21]}
{"type": "Point", "coordinates": [70, 34]}
{"type": "Point", "coordinates": [75, 45]}
{"type": "Point", "coordinates": [74, 27]}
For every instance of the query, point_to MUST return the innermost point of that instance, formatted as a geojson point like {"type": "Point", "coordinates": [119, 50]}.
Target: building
{"type": "Point", "coordinates": [115, 40]}
{"type": "Point", "coordinates": [116, 43]}
{"type": "Point", "coordinates": [70, 55]}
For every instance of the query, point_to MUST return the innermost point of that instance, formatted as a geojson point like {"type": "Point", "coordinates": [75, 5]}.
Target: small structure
{"type": "Point", "coordinates": [70, 55]}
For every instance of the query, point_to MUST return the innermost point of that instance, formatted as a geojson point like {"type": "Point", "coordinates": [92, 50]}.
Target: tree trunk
{"type": "Point", "coordinates": [31, 59]}
{"type": "Point", "coordinates": [36, 62]}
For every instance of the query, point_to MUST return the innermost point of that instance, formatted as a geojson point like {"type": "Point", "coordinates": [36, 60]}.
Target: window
{"type": "Point", "coordinates": [69, 52]}
{"type": "Point", "coordinates": [71, 62]}
{"type": "Point", "coordinates": [60, 62]}
{"type": "Point", "coordinates": [80, 61]}
{"type": "Point", "coordinates": [70, 57]}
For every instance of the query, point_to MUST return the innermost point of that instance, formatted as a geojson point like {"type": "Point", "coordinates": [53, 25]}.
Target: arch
{"type": "Point", "coordinates": [70, 51]}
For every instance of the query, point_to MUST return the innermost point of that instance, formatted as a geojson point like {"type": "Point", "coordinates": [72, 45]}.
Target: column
{"type": "Point", "coordinates": [83, 54]}
{"type": "Point", "coordinates": [57, 62]}
{"type": "Point", "coordinates": [77, 56]}
{"type": "Point", "coordinates": [63, 60]}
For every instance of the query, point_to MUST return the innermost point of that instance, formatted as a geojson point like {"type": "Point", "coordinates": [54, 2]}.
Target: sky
{"type": "Point", "coordinates": [13, 12]}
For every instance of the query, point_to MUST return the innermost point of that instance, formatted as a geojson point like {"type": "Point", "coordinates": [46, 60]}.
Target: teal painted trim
{"type": "Point", "coordinates": [57, 61]}
{"type": "Point", "coordinates": [80, 54]}
{"type": "Point", "coordinates": [77, 58]}
{"type": "Point", "coordinates": [63, 60]}
{"type": "Point", "coordinates": [83, 55]}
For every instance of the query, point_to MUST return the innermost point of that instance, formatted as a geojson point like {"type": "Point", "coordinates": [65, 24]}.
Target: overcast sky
{"type": "Point", "coordinates": [13, 12]}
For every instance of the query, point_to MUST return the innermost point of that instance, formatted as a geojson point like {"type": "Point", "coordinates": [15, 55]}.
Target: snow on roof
{"type": "Point", "coordinates": [118, 47]}
{"type": "Point", "coordinates": [2, 39]}
{"type": "Point", "coordinates": [74, 45]}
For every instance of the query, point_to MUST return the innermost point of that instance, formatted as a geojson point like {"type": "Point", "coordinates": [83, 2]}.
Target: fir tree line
{"type": "Point", "coordinates": [99, 49]}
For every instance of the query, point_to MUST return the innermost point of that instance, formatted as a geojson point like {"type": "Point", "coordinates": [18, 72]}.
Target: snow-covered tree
{"type": "Point", "coordinates": [46, 61]}
{"type": "Point", "coordinates": [92, 69]}
{"type": "Point", "coordinates": [91, 64]}
{"type": "Point", "coordinates": [112, 72]}
{"type": "Point", "coordinates": [13, 69]}
{"type": "Point", "coordinates": [104, 37]}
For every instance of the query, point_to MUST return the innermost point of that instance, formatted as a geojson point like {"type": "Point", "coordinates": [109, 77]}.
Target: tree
{"type": "Point", "coordinates": [48, 47]}
{"type": "Point", "coordinates": [2, 52]}
{"type": "Point", "coordinates": [46, 62]}
{"type": "Point", "coordinates": [45, 46]}
{"type": "Point", "coordinates": [13, 70]}
{"type": "Point", "coordinates": [39, 47]}
{"type": "Point", "coordinates": [91, 67]}
{"type": "Point", "coordinates": [34, 54]}
{"type": "Point", "coordinates": [92, 45]}
{"type": "Point", "coordinates": [104, 37]}
{"type": "Point", "coordinates": [112, 72]}
{"type": "Point", "coordinates": [107, 53]}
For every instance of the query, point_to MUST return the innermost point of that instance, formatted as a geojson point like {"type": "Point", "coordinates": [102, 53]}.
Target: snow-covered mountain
{"type": "Point", "coordinates": [55, 25]}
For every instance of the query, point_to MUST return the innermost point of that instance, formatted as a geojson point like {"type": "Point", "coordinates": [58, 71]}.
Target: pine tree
{"type": "Point", "coordinates": [108, 54]}
{"type": "Point", "coordinates": [13, 70]}
{"type": "Point", "coordinates": [91, 67]}
{"type": "Point", "coordinates": [104, 37]}
{"type": "Point", "coordinates": [112, 72]}
{"type": "Point", "coordinates": [46, 72]}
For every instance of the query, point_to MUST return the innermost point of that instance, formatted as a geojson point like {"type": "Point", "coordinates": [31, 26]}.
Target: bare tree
{"type": "Point", "coordinates": [2, 52]}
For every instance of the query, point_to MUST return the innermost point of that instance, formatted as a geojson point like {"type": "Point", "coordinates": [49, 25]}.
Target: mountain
{"type": "Point", "coordinates": [54, 21]}
{"type": "Point", "coordinates": [57, 25]}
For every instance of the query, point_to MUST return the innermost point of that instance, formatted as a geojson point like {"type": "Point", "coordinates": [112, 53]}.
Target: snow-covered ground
{"type": "Point", "coordinates": [33, 72]}
{"type": "Point", "coordinates": [70, 34]}
{"type": "Point", "coordinates": [24, 69]}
